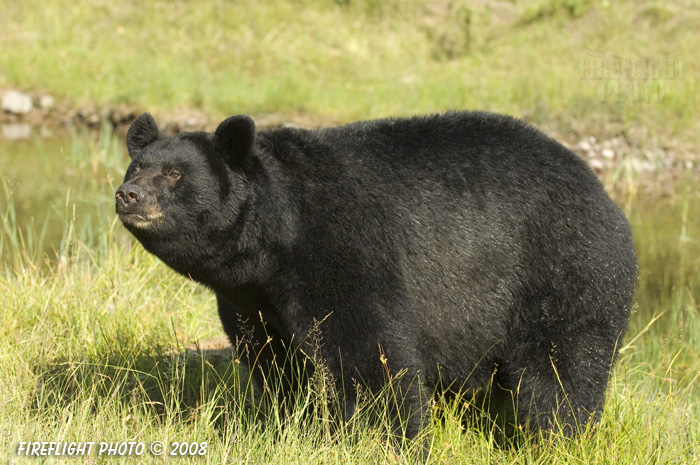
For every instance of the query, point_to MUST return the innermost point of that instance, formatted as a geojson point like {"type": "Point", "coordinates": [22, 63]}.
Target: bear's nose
{"type": "Point", "coordinates": [129, 194]}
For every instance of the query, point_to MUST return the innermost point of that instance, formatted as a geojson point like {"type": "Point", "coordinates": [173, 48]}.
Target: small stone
{"type": "Point", "coordinates": [47, 102]}
{"type": "Point", "coordinates": [584, 145]}
{"type": "Point", "coordinates": [16, 103]}
{"type": "Point", "coordinates": [607, 153]}
{"type": "Point", "coordinates": [597, 165]}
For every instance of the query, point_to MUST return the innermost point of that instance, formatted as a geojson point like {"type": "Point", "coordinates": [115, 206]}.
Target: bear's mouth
{"type": "Point", "coordinates": [139, 220]}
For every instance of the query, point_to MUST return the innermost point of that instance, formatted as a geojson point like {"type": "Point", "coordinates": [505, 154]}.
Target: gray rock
{"type": "Point", "coordinates": [16, 103]}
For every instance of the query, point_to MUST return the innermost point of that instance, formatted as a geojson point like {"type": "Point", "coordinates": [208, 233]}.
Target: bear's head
{"type": "Point", "coordinates": [187, 186]}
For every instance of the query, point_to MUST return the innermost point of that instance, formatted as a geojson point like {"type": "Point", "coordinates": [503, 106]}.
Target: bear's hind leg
{"type": "Point", "coordinates": [556, 380]}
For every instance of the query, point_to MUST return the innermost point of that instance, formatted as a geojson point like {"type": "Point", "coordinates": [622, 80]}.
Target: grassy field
{"type": "Point", "coordinates": [98, 340]}
{"type": "Point", "coordinates": [581, 65]}
{"type": "Point", "coordinates": [98, 343]}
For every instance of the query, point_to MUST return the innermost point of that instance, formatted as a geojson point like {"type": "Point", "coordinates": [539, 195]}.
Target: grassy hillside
{"type": "Point", "coordinates": [584, 65]}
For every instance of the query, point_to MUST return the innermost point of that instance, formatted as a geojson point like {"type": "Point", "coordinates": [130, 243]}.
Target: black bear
{"type": "Point", "coordinates": [464, 249]}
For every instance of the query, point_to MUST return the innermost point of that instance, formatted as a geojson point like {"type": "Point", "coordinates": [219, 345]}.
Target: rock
{"type": "Point", "coordinates": [607, 153]}
{"type": "Point", "coordinates": [47, 102]}
{"type": "Point", "coordinates": [597, 165]}
{"type": "Point", "coordinates": [16, 103]}
{"type": "Point", "coordinates": [584, 145]}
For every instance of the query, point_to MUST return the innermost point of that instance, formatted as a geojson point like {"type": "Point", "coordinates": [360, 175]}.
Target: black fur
{"type": "Point", "coordinates": [462, 247]}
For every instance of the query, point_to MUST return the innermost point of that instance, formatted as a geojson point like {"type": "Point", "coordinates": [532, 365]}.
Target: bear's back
{"type": "Point", "coordinates": [460, 151]}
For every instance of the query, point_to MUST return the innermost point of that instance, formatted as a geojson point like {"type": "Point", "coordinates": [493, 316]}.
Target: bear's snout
{"type": "Point", "coordinates": [129, 195]}
{"type": "Point", "coordinates": [135, 207]}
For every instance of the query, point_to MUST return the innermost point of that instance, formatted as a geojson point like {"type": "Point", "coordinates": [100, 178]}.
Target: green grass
{"type": "Point", "coordinates": [96, 344]}
{"type": "Point", "coordinates": [335, 61]}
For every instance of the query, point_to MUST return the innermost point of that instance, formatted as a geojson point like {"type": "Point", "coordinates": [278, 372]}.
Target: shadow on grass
{"type": "Point", "coordinates": [162, 383]}
{"type": "Point", "coordinates": [209, 385]}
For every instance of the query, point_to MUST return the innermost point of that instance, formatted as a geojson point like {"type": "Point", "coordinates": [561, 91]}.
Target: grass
{"type": "Point", "coordinates": [341, 60]}
{"type": "Point", "coordinates": [97, 337]}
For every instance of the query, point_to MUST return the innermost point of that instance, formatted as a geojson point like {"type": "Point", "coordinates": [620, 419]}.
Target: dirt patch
{"type": "Point", "coordinates": [216, 350]}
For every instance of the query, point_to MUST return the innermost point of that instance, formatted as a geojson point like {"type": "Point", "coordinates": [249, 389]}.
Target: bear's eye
{"type": "Point", "coordinates": [135, 169]}
{"type": "Point", "coordinates": [175, 175]}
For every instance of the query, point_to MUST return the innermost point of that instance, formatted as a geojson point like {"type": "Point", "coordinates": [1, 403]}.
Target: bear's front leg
{"type": "Point", "coordinates": [272, 361]}
{"type": "Point", "coordinates": [395, 400]}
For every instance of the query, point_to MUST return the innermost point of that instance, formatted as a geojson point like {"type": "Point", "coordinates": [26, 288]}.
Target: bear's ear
{"type": "Point", "coordinates": [235, 137]}
{"type": "Point", "coordinates": [143, 131]}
